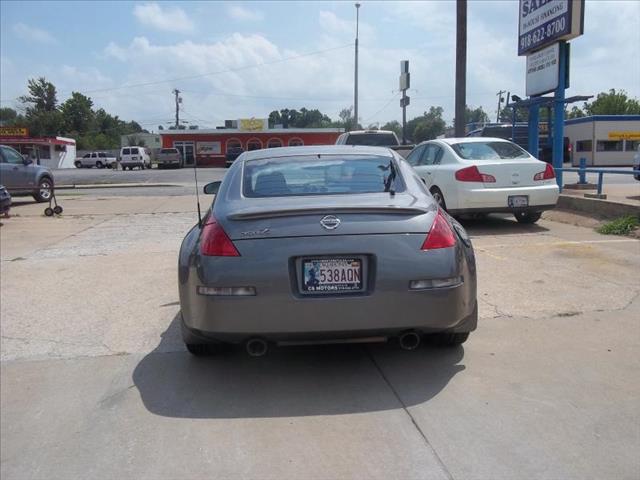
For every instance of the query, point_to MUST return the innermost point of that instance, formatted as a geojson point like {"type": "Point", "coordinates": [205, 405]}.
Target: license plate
{"type": "Point", "coordinates": [330, 275]}
{"type": "Point", "coordinates": [517, 201]}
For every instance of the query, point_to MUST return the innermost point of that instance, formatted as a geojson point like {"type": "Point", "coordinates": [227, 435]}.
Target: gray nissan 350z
{"type": "Point", "coordinates": [324, 244]}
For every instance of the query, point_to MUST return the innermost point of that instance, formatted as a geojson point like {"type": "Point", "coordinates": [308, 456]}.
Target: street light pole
{"type": "Point", "coordinates": [355, 87]}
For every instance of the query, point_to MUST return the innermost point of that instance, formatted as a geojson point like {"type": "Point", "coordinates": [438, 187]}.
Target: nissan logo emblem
{"type": "Point", "coordinates": [330, 222]}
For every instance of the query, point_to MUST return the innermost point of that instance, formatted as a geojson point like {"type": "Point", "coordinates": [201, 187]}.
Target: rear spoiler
{"type": "Point", "coordinates": [291, 212]}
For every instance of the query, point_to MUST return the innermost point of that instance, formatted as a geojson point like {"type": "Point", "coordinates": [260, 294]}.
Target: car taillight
{"type": "Point", "coordinates": [214, 241]}
{"type": "Point", "coordinates": [472, 174]}
{"type": "Point", "coordinates": [441, 234]}
{"type": "Point", "coordinates": [548, 173]}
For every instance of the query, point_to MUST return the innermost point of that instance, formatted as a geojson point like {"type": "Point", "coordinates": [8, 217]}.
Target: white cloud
{"type": "Point", "coordinates": [170, 19]}
{"type": "Point", "coordinates": [240, 13]}
{"type": "Point", "coordinates": [31, 33]}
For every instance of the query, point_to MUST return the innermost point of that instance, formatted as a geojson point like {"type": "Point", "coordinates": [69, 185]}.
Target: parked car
{"type": "Point", "coordinates": [21, 176]}
{"type": "Point", "coordinates": [357, 251]}
{"type": "Point", "coordinates": [96, 159]}
{"type": "Point", "coordinates": [169, 157]}
{"type": "Point", "coordinates": [374, 138]}
{"type": "Point", "coordinates": [232, 154]}
{"type": "Point", "coordinates": [135, 157]}
{"type": "Point", "coordinates": [520, 136]}
{"type": "Point", "coordinates": [485, 175]}
{"type": "Point", "coordinates": [5, 200]}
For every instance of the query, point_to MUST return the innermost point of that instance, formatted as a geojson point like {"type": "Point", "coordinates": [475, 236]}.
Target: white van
{"type": "Point", "coordinates": [135, 157]}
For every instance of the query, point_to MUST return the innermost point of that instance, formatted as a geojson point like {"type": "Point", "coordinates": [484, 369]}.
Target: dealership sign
{"type": "Point", "coordinates": [543, 22]}
{"type": "Point", "coordinates": [14, 132]}
{"type": "Point", "coordinates": [253, 124]}
{"type": "Point", "coordinates": [542, 70]}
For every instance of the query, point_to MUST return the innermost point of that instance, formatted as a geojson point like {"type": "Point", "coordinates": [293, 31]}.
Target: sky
{"type": "Point", "coordinates": [236, 60]}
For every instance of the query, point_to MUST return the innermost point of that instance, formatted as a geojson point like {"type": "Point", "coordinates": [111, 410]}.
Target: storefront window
{"type": "Point", "coordinates": [274, 143]}
{"type": "Point", "coordinates": [254, 144]}
{"type": "Point", "coordinates": [296, 142]}
{"type": "Point", "coordinates": [609, 145]}
{"type": "Point", "coordinates": [631, 145]}
{"type": "Point", "coordinates": [233, 144]}
{"type": "Point", "coordinates": [584, 146]}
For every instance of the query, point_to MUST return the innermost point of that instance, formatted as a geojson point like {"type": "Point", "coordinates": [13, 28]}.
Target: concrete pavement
{"type": "Point", "coordinates": [96, 383]}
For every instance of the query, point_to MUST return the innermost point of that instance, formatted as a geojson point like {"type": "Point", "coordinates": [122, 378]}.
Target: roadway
{"type": "Point", "coordinates": [95, 382]}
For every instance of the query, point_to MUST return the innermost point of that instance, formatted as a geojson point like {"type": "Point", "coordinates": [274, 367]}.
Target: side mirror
{"type": "Point", "coordinates": [26, 160]}
{"type": "Point", "coordinates": [212, 188]}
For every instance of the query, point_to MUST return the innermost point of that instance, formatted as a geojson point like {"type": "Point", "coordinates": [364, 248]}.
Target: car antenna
{"type": "Point", "coordinates": [195, 175]}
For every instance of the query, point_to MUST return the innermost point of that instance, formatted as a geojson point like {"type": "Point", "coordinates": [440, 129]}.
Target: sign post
{"type": "Point", "coordinates": [558, 114]}
{"type": "Point", "coordinates": [405, 82]}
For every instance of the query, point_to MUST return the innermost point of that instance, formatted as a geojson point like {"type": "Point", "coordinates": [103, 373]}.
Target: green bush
{"type": "Point", "coordinates": [620, 226]}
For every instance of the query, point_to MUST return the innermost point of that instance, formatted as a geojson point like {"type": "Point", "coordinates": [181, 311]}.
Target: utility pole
{"type": "Point", "coordinates": [176, 92]}
{"type": "Point", "coordinates": [461, 66]}
{"type": "Point", "coordinates": [355, 87]}
{"type": "Point", "coordinates": [499, 94]}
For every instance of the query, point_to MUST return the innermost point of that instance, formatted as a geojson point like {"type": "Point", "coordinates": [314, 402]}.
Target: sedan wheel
{"type": "Point", "coordinates": [527, 217]}
{"type": "Point", "coordinates": [45, 190]}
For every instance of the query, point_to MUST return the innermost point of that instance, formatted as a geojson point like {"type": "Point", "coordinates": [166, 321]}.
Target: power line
{"type": "Point", "coordinates": [219, 72]}
{"type": "Point", "coordinates": [383, 108]}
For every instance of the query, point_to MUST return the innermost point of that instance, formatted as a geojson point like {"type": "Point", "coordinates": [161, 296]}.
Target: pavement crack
{"type": "Point", "coordinates": [430, 447]}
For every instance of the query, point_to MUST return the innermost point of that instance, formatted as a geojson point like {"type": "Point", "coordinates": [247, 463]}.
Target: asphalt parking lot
{"type": "Point", "coordinates": [95, 382]}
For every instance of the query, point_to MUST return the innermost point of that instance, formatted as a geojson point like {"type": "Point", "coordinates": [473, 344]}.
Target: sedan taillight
{"type": "Point", "coordinates": [472, 174]}
{"type": "Point", "coordinates": [214, 241]}
{"type": "Point", "coordinates": [548, 173]}
{"type": "Point", "coordinates": [441, 234]}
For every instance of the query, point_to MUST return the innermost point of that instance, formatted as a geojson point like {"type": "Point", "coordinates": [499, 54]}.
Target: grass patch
{"type": "Point", "coordinates": [620, 226]}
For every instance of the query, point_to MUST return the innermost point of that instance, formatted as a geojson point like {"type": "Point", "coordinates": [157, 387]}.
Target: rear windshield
{"type": "Point", "coordinates": [372, 139]}
{"type": "Point", "coordinates": [169, 150]}
{"type": "Point", "coordinates": [489, 150]}
{"type": "Point", "coordinates": [125, 151]}
{"type": "Point", "coordinates": [318, 175]}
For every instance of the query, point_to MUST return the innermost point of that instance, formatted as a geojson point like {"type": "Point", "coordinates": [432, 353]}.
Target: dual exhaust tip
{"type": "Point", "coordinates": [258, 347]}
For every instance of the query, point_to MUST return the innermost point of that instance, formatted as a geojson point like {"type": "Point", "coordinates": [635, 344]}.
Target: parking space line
{"type": "Point", "coordinates": [413, 420]}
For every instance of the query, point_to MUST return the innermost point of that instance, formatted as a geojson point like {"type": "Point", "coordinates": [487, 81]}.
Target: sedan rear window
{"type": "Point", "coordinates": [318, 175]}
{"type": "Point", "coordinates": [489, 150]}
{"type": "Point", "coordinates": [372, 139]}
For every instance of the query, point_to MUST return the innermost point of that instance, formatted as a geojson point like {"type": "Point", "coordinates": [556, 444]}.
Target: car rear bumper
{"type": "Point", "coordinates": [541, 197]}
{"type": "Point", "coordinates": [278, 312]}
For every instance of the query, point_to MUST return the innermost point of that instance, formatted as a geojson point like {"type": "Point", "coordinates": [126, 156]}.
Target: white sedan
{"type": "Point", "coordinates": [485, 175]}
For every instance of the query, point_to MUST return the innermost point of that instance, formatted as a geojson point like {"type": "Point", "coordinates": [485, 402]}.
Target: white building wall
{"type": "Point", "coordinates": [597, 131]}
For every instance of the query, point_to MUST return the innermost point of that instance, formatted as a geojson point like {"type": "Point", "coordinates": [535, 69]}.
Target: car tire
{"type": "Point", "coordinates": [451, 339]}
{"type": "Point", "coordinates": [527, 217]}
{"type": "Point", "coordinates": [45, 184]}
{"type": "Point", "coordinates": [78, 164]}
{"type": "Point", "coordinates": [99, 165]}
{"type": "Point", "coordinates": [439, 197]}
{"type": "Point", "coordinates": [142, 166]}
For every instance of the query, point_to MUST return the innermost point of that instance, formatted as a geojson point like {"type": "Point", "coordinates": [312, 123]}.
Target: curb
{"type": "Point", "coordinates": [113, 185]}
{"type": "Point", "coordinates": [604, 208]}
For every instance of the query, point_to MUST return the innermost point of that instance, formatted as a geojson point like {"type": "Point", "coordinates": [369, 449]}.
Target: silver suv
{"type": "Point", "coordinates": [21, 177]}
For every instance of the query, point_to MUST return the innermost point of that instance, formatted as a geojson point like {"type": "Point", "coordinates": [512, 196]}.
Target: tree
{"type": "Point", "coordinates": [477, 115]}
{"type": "Point", "coordinates": [426, 127]}
{"type": "Point", "coordinates": [42, 96]}
{"type": "Point", "coordinates": [575, 112]}
{"type": "Point", "coordinates": [8, 116]}
{"type": "Point", "coordinates": [394, 126]}
{"type": "Point", "coordinates": [613, 103]}
{"type": "Point", "coordinates": [78, 114]}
